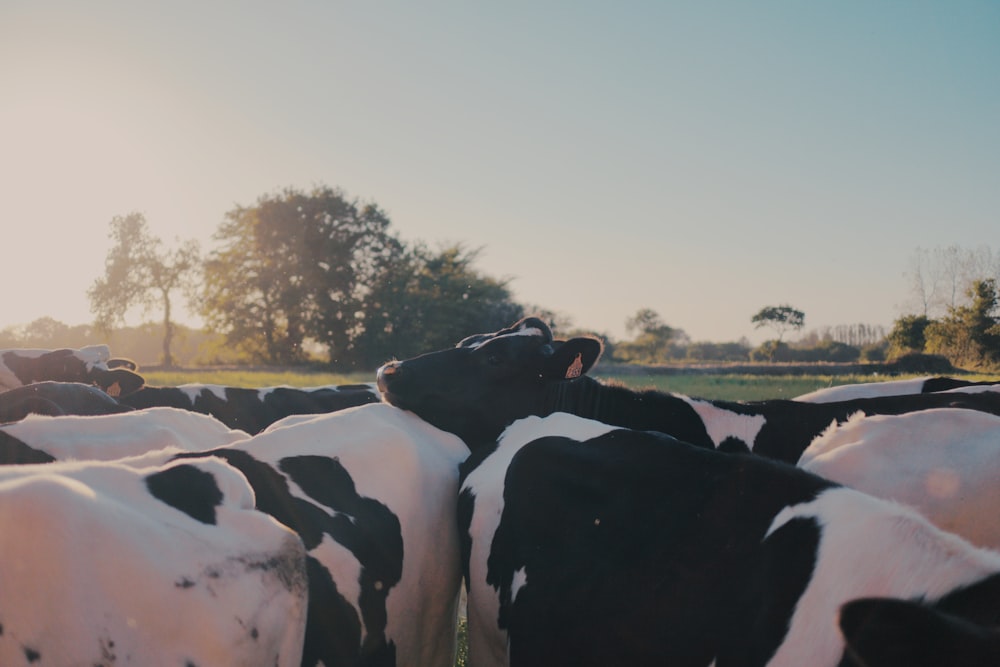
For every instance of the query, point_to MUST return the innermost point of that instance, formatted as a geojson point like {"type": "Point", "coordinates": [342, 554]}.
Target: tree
{"type": "Point", "coordinates": [779, 318]}
{"type": "Point", "coordinates": [908, 334]}
{"type": "Point", "coordinates": [140, 272]}
{"type": "Point", "coordinates": [653, 338]}
{"type": "Point", "coordinates": [941, 277]}
{"type": "Point", "coordinates": [295, 267]}
{"type": "Point", "coordinates": [969, 335]}
{"type": "Point", "coordinates": [429, 299]}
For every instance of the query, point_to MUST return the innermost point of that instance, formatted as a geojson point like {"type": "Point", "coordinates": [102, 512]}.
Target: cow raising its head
{"type": "Point", "coordinates": [486, 381]}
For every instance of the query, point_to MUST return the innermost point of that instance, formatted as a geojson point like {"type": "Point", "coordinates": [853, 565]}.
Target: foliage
{"type": "Point", "coordinates": [706, 351]}
{"type": "Point", "coordinates": [874, 353]}
{"type": "Point", "coordinates": [140, 272]}
{"type": "Point", "coordinates": [48, 334]}
{"type": "Point", "coordinates": [140, 343]}
{"type": "Point", "coordinates": [969, 336]}
{"type": "Point", "coordinates": [908, 334]}
{"type": "Point", "coordinates": [940, 277]}
{"type": "Point", "coordinates": [293, 267]}
{"type": "Point", "coordinates": [781, 319]}
{"type": "Point", "coordinates": [655, 341]}
{"type": "Point", "coordinates": [428, 300]}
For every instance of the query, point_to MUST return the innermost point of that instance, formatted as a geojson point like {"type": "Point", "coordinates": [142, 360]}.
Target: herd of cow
{"type": "Point", "coordinates": [591, 524]}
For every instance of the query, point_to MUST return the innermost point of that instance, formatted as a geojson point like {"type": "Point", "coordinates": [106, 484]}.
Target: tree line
{"type": "Point", "coordinates": [304, 276]}
{"type": "Point", "coordinates": [318, 277]}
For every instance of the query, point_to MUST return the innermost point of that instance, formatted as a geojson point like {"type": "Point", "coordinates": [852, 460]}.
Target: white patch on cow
{"type": "Point", "coordinates": [108, 437]}
{"type": "Point", "coordinates": [870, 548]}
{"type": "Point", "coordinates": [527, 331]}
{"type": "Point", "coordinates": [973, 389]}
{"type": "Point", "coordinates": [848, 392]}
{"type": "Point", "coordinates": [64, 523]}
{"type": "Point", "coordinates": [721, 424]}
{"type": "Point", "coordinates": [94, 355]}
{"type": "Point", "coordinates": [194, 390]}
{"type": "Point", "coordinates": [517, 582]}
{"type": "Point", "coordinates": [944, 462]}
{"type": "Point", "coordinates": [345, 570]}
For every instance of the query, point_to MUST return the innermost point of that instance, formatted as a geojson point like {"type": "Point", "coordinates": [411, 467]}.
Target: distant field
{"type": "Point", "coordinates": [739, 387]}
{"type": "Point", "coordinates": [735, 387]}
{"type": "Point", "coordinates": [252, 378]}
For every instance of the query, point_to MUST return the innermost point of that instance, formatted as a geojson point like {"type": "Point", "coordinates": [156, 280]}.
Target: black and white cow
{"type": "Point", "coordinates": [943, 462]}
{"type": "Point", "coordinates": [89, 365]}
{"type": "Point", "coordinates": [57, 398]}
{"type": "Point", "coordinates": [488, 380]}
{"type": "Point", "coordinates": [253, 410]}
{"type": "Point", "coordinates": [107, 564]}
{"type": "Point", "coordinates": [38, 439]}
{"type": "Point", "coordinates": [372, 491]}
{"type": "Point", "coordinates": [586, 544]}
{"type": "Point", "coordinates": [921, 385]}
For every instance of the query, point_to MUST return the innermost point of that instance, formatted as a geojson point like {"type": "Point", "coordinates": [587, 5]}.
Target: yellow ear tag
{"type": "Point", "coordinates": [114, 390]}
{"type": "Point", "coordinates": [575, 369]}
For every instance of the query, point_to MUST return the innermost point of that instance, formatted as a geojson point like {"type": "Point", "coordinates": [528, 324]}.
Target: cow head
{"type": "Point", "coordinates": [89, 365]}
{"type": "Point", "coordinates": [481, 385]}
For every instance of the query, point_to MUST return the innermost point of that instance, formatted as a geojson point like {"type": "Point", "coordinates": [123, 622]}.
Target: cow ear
{"type": "Point", "coordinates": [118, 382]}
{"type": "Point", "coordinates": [572, 358]}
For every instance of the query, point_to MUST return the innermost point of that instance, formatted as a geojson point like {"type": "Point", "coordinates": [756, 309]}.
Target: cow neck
{"type": "Point", "coordinates": [615, 405]}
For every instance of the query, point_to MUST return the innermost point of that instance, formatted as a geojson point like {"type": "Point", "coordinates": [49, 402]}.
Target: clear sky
{"type": "Point", "coordinates": [703, 159]}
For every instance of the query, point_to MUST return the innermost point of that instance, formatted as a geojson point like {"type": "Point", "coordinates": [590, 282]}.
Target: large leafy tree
{"type": "Point", "coordinates": [140, 271]}
{"type": "Point", "coordinates": [781, 319]}
{"type": "Point", "coordinates": [908, 334]}
{"type": "Point", "coordinates": [297, 267]}
{"type": "Point", "coordinates": [430, 299]}
{"type": "Point", "coordinates": [969, 335]}
{"type": "Point", "coordinates": [653, 338]}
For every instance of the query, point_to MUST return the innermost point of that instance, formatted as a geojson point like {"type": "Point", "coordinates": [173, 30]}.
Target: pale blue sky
{"type": "Point", "coordinates": [703, 159]}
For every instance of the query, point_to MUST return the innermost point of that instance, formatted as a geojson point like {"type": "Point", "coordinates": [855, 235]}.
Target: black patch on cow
{"type": "Point", "coordinates": [31, 655]}
{"type": "Point", "coordinates": [59, 365]}
{"type": "Point", "coordinates": [57, 398]}
{"type": "Point", "coordinates": [188, 489]}
{"type": "Point", "coordinates": [776, 579]}
{"type": "Point", "coordinates": [733, 445]}
{"type": "Point", "coordinates": [243, 408]}
{"type": "Point", "coordinates": [978, 602]}
{"type": "Point", "coordinates": [15, 452]}
{"type": "Point", "coordinates": [374, 537]}
{"type": "Point", "coordinates": [642, 550]}
{"type": "Point", "coordinates": [367, 529]}
{"type": "Point", "coordinates": [941, 383]}
{"type": "Point", "coordinates": [150, 397]}
{"type": "Point", "coordinates": [886, 632]}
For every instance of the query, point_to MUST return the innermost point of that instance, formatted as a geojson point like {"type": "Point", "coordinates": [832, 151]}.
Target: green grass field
{"type": "Point", "coordinates": [732, 387]}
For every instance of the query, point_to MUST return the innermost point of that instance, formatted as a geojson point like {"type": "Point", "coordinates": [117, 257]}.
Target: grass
{"type": "Point", "coordinates": [251, 377]}
{"type": "Point", "coordinates": [737, 387]}
{"type": "Point", "coordinates": [730, 387]}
